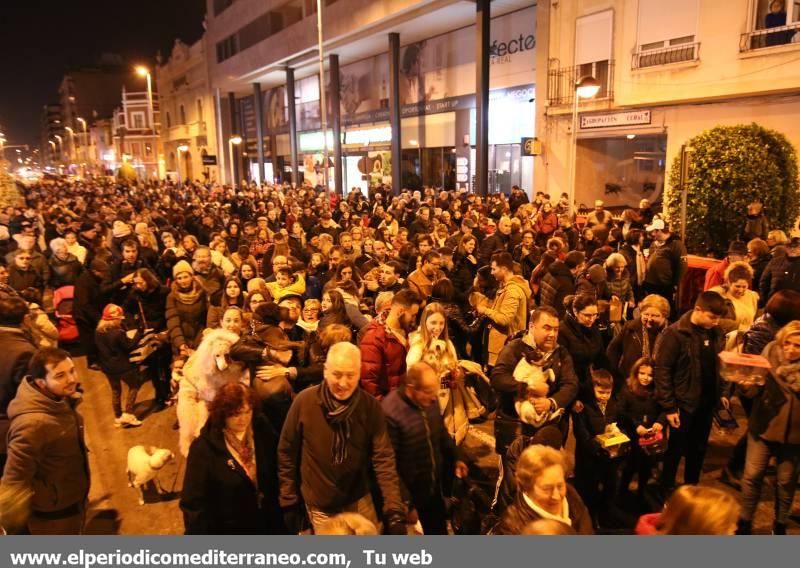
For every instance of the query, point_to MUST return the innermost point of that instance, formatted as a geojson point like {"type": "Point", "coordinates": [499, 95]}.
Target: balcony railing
{"type": "Point", "coordinates": [666, 55]}
{"type": "Point", "coordinates": [770, 37]}
{"type": "Point", "coordinates": [562, 80]}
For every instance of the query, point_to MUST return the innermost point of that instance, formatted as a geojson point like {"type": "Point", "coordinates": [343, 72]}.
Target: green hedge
{"type": "Point", "coordinates": [730, 166]}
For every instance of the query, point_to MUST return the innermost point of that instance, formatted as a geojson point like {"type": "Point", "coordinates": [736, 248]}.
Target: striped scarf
{"type": "Point", "coordinates": [338, 414]}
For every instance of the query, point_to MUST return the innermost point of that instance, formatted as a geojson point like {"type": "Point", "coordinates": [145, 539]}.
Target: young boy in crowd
{"type": "Point", "coordinates": [595, 469]}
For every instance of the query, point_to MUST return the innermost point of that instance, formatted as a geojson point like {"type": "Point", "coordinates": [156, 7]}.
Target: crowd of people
{"type": "Point", "coordinates": [328, 356]}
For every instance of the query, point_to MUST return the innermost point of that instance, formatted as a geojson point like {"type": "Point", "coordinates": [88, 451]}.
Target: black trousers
{"type": "Point", "coordinates": [86, 339]}
{"type": "Point", "coordinates": [432, 514]}
{"type": "Point", "coordinates": [690, 441]}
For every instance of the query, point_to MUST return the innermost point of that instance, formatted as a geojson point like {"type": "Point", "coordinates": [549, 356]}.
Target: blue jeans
{"type": "Point", "coordinates": [758, 456]}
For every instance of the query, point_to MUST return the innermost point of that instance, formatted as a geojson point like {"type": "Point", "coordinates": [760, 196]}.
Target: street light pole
{"type": "Point", "coordinates": [323, 105]}
{"type": "Point", "coordinates": [586, 88]}
{"type": "Point", "coordinates": [71, 146]}
{"type": "Point", "coordinates": [233, 141]}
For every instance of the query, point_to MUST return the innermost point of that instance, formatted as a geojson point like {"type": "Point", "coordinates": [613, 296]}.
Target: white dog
{"type": "Point", "coordinates": [144, 463]}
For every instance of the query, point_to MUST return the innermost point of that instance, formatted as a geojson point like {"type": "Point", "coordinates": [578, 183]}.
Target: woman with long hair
{"type": "Point", "coordinates": [431, 344]}
{"type": "Point", "coordinates": [231, 483]}
{"type": "Point", "coordinates": [465, 267]}
{"type": "Point", "coordinates": [260, 244]}
{"type": "Point", "coordinates": [232, 295]}
{"type": "Point", "coordinates": [774, 430]}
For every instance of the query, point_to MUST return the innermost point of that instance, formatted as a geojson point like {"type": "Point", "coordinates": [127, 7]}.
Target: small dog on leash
{"type": "Point", "coordinates": [144, 463]}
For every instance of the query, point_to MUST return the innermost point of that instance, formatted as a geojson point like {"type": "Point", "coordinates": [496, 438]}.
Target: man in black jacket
{"type": "Point", "coordinates": [667, 263]}
{"type": "Point", "coordinates": [782, 272]}
{"type": "Point", "coordinates": [540, 343]}
{"type": "Point", "coordinates": [334, 434]}
{"type": "Point", "coordinates": [425, 452]}
{"type": "Point", "coordinates": [553, 400]}
{"type": "Point", "coordinates": [688, 385]}
{"type": "Point", "coordinates": [90, 298]}
{"type": "Point", "coordinates": [500, 241]}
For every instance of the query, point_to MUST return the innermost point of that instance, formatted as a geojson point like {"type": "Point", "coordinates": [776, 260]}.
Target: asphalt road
{"type": "Point", "coordinates": [114, 507]}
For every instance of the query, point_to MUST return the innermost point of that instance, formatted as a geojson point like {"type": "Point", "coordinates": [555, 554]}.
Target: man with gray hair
{"type": "Point", "coordinates": [333, 435]}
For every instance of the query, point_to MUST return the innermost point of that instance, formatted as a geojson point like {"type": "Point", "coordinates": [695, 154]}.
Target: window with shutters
{"type": "Point", "coordinates": [666, 33]}
{"type": "Point", "coordinates": [774, 22]}
{"type": "Point", "coordinates": [593, 46]}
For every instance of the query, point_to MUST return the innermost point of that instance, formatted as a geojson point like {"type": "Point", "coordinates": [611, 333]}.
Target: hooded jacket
{"type": "Point", "coordinates": [667, 263]}
{"type": "Point", "coordinates": [508, 314]}
{"type": "Point", "coordinates": [556, 285]}
{"type": "Point", "coordinates": [46, 450]}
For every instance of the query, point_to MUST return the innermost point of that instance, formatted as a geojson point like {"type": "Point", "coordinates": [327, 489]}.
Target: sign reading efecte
{"type": "Point", "coordinates": [625, 118]}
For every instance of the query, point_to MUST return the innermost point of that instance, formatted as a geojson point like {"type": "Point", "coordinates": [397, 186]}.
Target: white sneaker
{"type": "Point", "coordinates": [118, 421]}
{"type": "Point", "coordinates": [129, 420]}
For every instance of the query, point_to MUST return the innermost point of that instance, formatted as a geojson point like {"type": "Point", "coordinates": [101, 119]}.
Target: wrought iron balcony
{"type": "Point", "coordinates": [666, 55]}
{"type": "Point", "coordinates": [561, 81]}
{"type": "Point", "coordinates": [770, 37]}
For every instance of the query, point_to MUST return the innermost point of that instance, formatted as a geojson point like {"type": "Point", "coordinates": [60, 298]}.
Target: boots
{"type": "Point", "coordinates": [779, 528]}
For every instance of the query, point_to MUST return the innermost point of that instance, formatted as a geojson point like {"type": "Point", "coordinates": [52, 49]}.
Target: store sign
{"type": "Point", "coordinates": [531, 146]}
{"type": "Point", "coordinates": [311, 141]}
{"type": "Point", "coordinates": [627, 118]}
{"type": "Point", "coordinates": [209, 160]}
{"type": "Point", "coordinates": [368, 136]}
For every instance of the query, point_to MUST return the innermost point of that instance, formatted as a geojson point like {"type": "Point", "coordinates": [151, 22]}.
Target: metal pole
{"type": "Point", "coordinates": [322, 103]}
{"type": "Point", "coordinates": [573, 151]}
{"type": "Point", "coordinates": [482, 40]}
{"type": "Point", "coordinates": [684, 178]}
{"type": "Point", "coordinates": [292, 126]}
{"type": "Point", "coordinates": [259, 108]}
{"type": "Point", "coordinates": [150, 102]}
{"type": "Point", "coordinates": [234, 132]}
{"type": "Point", "coordinates": [333, 62]}
{"type": "Point", "coordinates": [230, 155]}
{"type": "Point", "coordinates": [220, 138]}
{"type": "Point", "coordinates": [394, 111]}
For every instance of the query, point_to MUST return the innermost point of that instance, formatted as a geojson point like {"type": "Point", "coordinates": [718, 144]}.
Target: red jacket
{"type": "Point", "coordinates": [383, 360]}
{"type": "Point", "coordinates": [648, 524]}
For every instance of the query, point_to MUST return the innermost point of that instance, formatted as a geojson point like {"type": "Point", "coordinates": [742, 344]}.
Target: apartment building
{"type": "Point", "coordinates": [667, 71]}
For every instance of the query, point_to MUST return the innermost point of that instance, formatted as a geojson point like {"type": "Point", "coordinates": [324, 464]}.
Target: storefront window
{"type": "Point", "coordinates": [620, 170]}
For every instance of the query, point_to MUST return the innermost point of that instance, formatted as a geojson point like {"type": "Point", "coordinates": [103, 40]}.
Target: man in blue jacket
{"type": "Point", "coordinates": [425, 453]}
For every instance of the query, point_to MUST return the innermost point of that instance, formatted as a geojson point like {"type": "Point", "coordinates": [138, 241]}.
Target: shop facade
{"type": "Point", "coordinates": [438, 117]}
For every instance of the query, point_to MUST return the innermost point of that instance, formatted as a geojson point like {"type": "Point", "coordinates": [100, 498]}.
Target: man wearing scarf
{"type": "Point", "coordinates": [334, 433]}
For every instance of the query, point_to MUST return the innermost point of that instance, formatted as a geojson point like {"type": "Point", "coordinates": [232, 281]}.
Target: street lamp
{"type": "Point", "coordinates": [143, 71]}
{"type": "Point", "coordinates": [60, 147]}
{"type": "Point", "coordinates": [586, 88]}
{"type": "Point", "coordinates": [71, 142]}
{"type": "Point", "coordinates": [181, 149]}
{"type": "Point", "coordinates": [233, 141]}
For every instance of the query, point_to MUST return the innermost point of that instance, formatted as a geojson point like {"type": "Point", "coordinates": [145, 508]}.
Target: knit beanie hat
{"type": "Point", "coordinates": [181, 266]}
{"type": "Point", "coordinates": [575, 259]}
{"type": "Point", "coordinates": [120, 229]}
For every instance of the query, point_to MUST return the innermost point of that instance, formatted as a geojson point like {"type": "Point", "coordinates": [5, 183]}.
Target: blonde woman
{"type": "Point", "coordinates": [736, 290]}
{"type": "Point", "coordinates": [693, 510]}
{"type": "Point", "coordinates": [431, 344]}
{"type": "Point", "coordinates": [774, 430]}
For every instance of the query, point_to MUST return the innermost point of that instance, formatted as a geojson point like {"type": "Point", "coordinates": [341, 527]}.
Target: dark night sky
{"type": "Point", "coordinates": [41, 40]}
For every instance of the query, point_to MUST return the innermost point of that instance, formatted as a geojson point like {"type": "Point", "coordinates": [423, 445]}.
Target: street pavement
{"type": "Point", "coordinates": [114, 506]}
